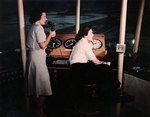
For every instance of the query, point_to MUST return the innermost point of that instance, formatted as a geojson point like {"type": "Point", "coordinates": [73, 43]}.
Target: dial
{"type": "Point", "coordinates": [96, 44]}
{"type": "Point", "coordinates": [54, 43]}
{"type": "Point", "coordinates": [69, 43]}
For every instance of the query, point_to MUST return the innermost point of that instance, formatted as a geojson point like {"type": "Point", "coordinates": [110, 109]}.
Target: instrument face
{"type": "Point", "coordinates": [96, 44]}
{"type": "Point", "coordinates": [54, 43]}
{"type": "Point", "coordinates": [69, 43]}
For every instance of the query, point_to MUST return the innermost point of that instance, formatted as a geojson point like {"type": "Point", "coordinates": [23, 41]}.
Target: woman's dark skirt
{"type": "Point", "coordinates": [87, 73]}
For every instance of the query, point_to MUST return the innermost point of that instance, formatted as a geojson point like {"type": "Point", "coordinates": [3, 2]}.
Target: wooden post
{"type": "Point", "coordinates": [22, 33]}
{"type": "Point", "coordinates": [122, 38]}
{"type": "Point", "coordinates": [77, 15]}
{"type": "Point", "coordinates": [22, 42]}
{"type": "Point", "coordinates": [138, 28]}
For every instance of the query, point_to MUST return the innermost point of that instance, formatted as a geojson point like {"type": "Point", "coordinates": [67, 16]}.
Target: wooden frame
{"type": "Point", "coordinates": [62, 52]}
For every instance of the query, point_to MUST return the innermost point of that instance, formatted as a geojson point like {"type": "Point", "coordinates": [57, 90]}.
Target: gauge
{"type": "Point", "coordinates": [96, 44]}
{"type": "Point", "coordinates": [54, 43]}
{"type": "Point", "coordinates": [69, 43]}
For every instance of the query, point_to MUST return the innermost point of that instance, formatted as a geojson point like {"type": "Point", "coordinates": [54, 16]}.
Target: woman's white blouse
{"type": "Point", "coordinates": [82, 52]}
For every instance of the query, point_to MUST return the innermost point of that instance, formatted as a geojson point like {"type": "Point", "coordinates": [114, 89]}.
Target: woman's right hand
{"type": "Point", "coordinates": [52, 33]}
{"type": "Point", "coordinates": [44, 44]}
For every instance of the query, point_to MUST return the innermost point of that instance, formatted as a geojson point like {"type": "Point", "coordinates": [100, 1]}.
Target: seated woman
{"type": "Point", "coordinates": [85, 67]}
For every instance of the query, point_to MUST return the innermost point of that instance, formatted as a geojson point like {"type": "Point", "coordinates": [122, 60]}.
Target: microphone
{"type": "Point", "coordinates": [52, 25]}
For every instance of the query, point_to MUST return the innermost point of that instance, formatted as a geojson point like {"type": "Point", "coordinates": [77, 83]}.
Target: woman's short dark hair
{"type": "Point", "coordinates": [35, 15]}
{"type": "Point", "coordinates": [83, 32]}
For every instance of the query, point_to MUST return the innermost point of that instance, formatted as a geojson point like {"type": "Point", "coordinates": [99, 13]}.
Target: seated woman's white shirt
{"type": "Point", "coordinates": [82, 52]}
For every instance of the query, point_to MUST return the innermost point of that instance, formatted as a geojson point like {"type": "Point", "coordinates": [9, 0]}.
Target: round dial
{"type": "Point", "coordinates": [69, 43]}
{"type": "Point", "coordinates": [96, 44]}
{"type": "Point", "coordinates": [54, 43]}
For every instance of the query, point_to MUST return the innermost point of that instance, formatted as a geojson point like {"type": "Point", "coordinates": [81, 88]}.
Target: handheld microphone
{"type": "Point", "coordinates": [52, 25]}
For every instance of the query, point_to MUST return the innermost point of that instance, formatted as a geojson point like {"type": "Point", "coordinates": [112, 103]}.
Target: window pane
{"type": "Point", "coordinates": [9, 36]}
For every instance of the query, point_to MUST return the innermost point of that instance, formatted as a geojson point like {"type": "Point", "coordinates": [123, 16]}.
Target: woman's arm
{"type": "Point", "coordinates": [46, 42]}
{"type": "Point", "coordinates": [96, 61]}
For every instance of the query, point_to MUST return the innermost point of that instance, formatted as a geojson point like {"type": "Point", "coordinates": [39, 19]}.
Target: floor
{"type": "Point", "coordinates": [13, 104]}
{"type": "Point", "coordinates": [92, 108]}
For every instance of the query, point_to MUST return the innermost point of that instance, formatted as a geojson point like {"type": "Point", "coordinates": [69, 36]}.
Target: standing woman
{"type": "Point", "coordinates": [37, 75]}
